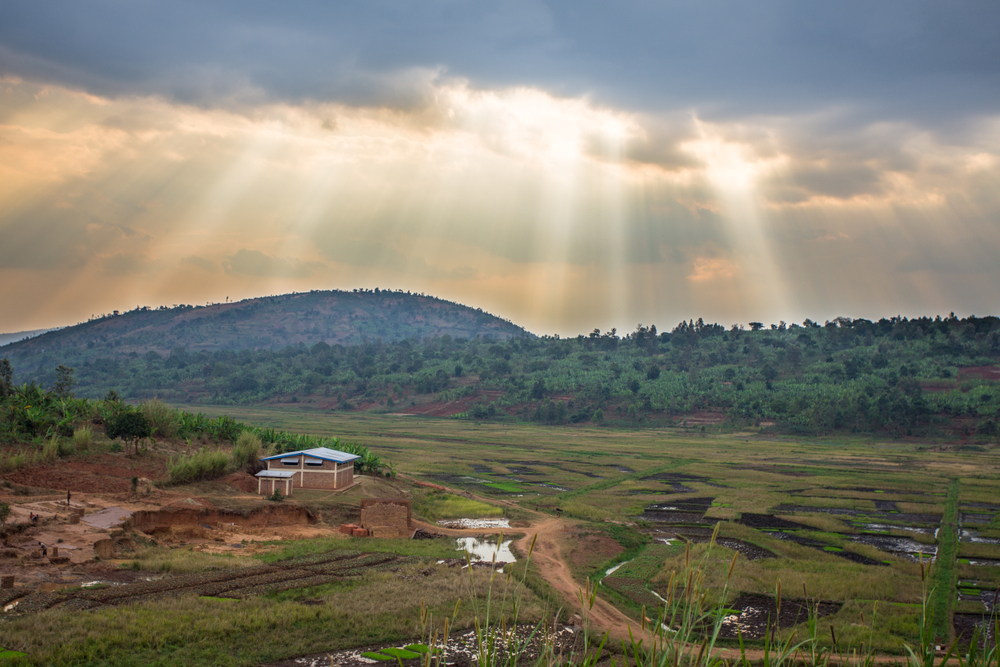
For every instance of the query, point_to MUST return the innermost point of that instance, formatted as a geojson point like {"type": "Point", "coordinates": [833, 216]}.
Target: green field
{"type": "Point", "coordinates": [848, 521]}
{"type": "Point", "coordinates": [847, 495]}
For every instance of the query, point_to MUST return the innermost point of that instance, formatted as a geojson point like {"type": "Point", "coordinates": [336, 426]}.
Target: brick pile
{"type": "Point", "coordinates": [387, 517]}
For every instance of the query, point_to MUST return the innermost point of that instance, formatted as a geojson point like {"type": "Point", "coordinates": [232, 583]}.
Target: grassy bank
{"type": "Point", "coordinates": [942, 576]}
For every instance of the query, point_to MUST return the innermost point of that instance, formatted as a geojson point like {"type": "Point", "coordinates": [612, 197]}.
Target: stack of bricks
{"type": "Point", "coordinates": [7, 581]}
{"type": "Point", "coordinates": [386, 517]}
{"type": "Point", "coordinates": [348, 528]}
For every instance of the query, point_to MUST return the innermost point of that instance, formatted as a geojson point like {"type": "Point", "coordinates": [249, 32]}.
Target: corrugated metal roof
{"type": "Point", "coordinates": [318, 453]}
{"type": "Point", "coordinates": [282, 474]}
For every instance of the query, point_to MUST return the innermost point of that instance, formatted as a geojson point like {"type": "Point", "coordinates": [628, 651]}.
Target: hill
{"type": "Point", "coordinates": [265, 323]}
{"type": "Point", "coordinates": [926, 377]}
{"type": "Point", "coordinates": [6, 338]}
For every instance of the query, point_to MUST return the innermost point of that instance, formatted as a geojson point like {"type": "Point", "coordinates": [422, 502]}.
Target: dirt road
{"type": "Point", "coordinates": [547, 532]}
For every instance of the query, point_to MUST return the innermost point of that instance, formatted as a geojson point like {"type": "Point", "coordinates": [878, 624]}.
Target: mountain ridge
{"type": "Point", "coordinates": [267, 322]}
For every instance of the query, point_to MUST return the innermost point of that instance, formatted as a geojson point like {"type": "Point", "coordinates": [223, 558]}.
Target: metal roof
{"type": "Point", "coordinates": [318, 453]}
{"type": "Point", "coordinates": [281, 474]}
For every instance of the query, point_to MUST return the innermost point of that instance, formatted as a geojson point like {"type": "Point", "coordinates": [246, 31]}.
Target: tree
{"type": "Point", "coordinates": [756, 326]}
{"type": "Point", "coordinates": [129, 425]}
{"type": "Point", "coordinates": [63, 388]}
{"type": "Point", "coordinates": [598, 416]}
{"type": "Point", "coordinates": [6, 378]}
{"type": "Point", "coordinates": [538, 390]}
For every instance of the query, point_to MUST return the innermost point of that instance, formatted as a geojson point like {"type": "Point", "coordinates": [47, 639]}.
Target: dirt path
{"type": "Point", "coordinates": [545, 531]}
{"type": "Point", "coordinates": [547, 556]}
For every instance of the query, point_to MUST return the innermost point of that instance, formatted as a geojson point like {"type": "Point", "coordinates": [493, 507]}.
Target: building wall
{"type": "Point", "coordinates": [267, 485]}
{"type": "Point", "coordinates": [330, 475]}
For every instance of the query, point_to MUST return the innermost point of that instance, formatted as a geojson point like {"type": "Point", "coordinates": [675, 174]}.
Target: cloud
{"type": "Point", "coordinates": [201, 263]}
{"type": "Point", "coordinates": [257, 264]}
{"type": "Point", "coordinates": [122, 264]}
{"type": "Point", "coordinates": [900, 58]}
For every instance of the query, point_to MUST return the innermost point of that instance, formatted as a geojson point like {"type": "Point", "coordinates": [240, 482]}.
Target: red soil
{"type": "Point", "coordinates": [99, 473]}
{"type": "Point", "coordinates": [979, 372]}
{"type": "Point", "coordinates": [447, 409]}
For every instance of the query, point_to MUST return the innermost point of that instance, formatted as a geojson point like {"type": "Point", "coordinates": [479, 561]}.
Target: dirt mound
{"type": "Point", "coordinates": [242, 481]}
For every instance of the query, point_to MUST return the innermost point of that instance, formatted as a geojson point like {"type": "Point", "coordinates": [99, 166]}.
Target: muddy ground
{"type": "Point", "coordinates": [757, 613]}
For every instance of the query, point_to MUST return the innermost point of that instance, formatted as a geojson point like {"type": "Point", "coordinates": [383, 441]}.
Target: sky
{"type": "Point", "coordinates": [566, 165]}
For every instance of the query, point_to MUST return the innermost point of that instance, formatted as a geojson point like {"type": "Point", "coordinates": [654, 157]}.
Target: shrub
{"type": "Point", "coordinates": [202, 465]}
{"type": "Point", "coordinates": [163, 419]}
{"type": "Point", "coordinates": [55, 447]}
{"type": "Point", "coordinates": [129, 425]}
{"type": "Point", "coordinates": [246, 453]}
{"type": "Point", "coordinates": [50, 450]}
{"type": "Point", "coordinates": [276, 496]}
{"type": "Point", "coordinates": [83, 438]}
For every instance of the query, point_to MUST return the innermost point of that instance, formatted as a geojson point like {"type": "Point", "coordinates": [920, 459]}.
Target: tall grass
{"type": "Point", "coordinates": [54, 448]}
{"type": "Point", "coordinates": [246, 452]}
{"type": "Point", "coordinates": [83, 438]}
{"type": "Point", "coordinates": [163, 419]}
{"type": "Point", "coordinates": [201, 465]}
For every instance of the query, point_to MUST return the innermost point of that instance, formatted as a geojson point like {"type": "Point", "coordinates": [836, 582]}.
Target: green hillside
{"type": "Point", "coordinates": [265, 323]}
{"type": "Point", "coordinates": [935, 377]}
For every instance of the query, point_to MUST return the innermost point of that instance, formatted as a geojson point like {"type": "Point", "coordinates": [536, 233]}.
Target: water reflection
{"type": "Point", "coordinates": [486, 548]}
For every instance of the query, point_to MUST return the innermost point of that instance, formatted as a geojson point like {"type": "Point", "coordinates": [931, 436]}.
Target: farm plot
{"type": "Point", "coordinates": [303, 572]}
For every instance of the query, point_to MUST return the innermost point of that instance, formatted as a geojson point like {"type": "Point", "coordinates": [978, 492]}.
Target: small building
{"type": "Point", "coordinates": [269, 480]}
{"type": "Point", "coordinates": [319, 468]}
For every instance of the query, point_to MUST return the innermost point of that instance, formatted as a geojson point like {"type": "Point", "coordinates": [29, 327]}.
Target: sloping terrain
{"type": "Point", "coordinates": [267, 323]}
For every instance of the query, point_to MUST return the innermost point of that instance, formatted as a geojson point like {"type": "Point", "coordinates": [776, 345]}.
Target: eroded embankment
{"type": "Point", "coordinates": [167, 517]}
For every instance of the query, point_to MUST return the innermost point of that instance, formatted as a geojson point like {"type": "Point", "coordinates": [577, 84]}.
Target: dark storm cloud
{"type": "Point", "coordinates": [902, 58]}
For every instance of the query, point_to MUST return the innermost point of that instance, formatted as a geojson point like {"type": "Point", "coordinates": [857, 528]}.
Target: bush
{"type": "Point", "coordinates": [202, 465]}
{"type": "Point", "coordinates": [163, 419]}
{"type": "Point", "coordinates": [83, 438]}
{"type": "Point", "coordinates": [129, 425]}
{"type": "Point", "coordinates": [276, 496]}
{"type": "Point", "coordinates": [50, 450]}
{"type": "Point", "coordinates": [246, 453]}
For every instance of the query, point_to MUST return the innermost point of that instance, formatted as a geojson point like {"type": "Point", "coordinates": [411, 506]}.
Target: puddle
{"type": "Point", "coordinates": [92, 584]}
{"type": "Point", "coordinates": [898, 546]}
{"type": "Point", "coordinates": [993, 562]}
{"type": "Point", "coordinates": [615, 568]}
{"type": "Point", "coordinates": [486, 549]}
{"type": "Point", "coordinates": [550, 486]}
{"type": "Point", "coordinates": [686, 510]}
{"type": "Point", "coordinates": [885, 528]}
{"type": "Point", "coordinates": [973, 536]}
{"type": "Point", "coordinates": [474, 523]}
